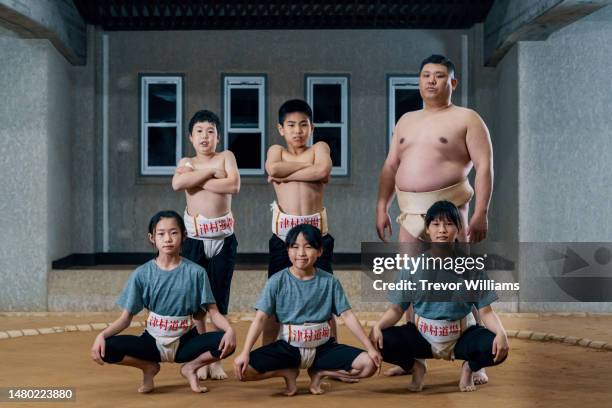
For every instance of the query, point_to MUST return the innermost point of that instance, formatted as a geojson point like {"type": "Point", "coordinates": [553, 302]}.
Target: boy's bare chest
{"type": "Point", "coordinates": [214, 162]}
{"type": "Point", "coordinates": [305, 157]}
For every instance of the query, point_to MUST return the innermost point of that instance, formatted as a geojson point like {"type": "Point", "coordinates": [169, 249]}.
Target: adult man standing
{"type": "Point", "coordinates": [432, 152]}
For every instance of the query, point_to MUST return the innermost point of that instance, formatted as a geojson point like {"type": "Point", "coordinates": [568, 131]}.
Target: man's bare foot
{"type": "Point", "coordinates": [192, 378]}
{"type": "Point", "coordinates": [215, 371]}
{"type": "Point", "coordinates": [203, 372]}
{"type": "Point", "coordinates": [290, 375]}
{"type": "Point", "coordinates": [147, 378]}
{"type": "Point", "coordinates": [466, 381]}
{"type": "Point", "coordinates": [419, 369]}
{"type": "Point", "coordinates": [480, 377]}
{"type": "Point", "coordinates": [315, 382]}
{"type": "Point", "coordinates": [393, 371]}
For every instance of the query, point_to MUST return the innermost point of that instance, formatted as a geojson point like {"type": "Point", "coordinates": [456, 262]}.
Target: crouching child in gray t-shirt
{"type": "Point", "coordinates": [303, 299]}
{"type": "Point", "coordinates": [176, 292]}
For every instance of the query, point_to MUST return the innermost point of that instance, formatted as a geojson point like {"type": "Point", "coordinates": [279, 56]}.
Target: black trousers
{"type": "Point", "coordinates": [403, 344]}
{"type": "Point", "coordinates": [219, 268]}
{"type": "Point", "coordinates": [191, 345]}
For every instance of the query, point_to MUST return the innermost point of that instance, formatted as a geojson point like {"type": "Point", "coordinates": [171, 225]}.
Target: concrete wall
{"type": "Point", "coordinates": [549, 116]}
{"type": "Point", "coordinates": [285, 56]}
{"type": "Point", "coordinates": [565, 140]}
{"type": "Point", "coordinates": [565, 133]}
{"type": "Point", "coordinates": [86, 162]}
{"type": "Point", "coordinates": [494, 95]}
{"type": "Point", "coordinates": [36, 156]}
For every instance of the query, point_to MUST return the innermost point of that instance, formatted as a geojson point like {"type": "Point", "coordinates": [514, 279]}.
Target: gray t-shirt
{"type": "Point", "coordinates": [456, 305]}
{"type": "Point", "coordinates": [296, 301]}
{"type": "Point", "coordinates": [181, 291]}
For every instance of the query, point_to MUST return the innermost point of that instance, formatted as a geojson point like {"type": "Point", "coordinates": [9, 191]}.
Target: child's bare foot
{"type": "Point", "coordinates": [191, 376]}
{"type": "Point", "coordinates": [419, 369]}
{"type": "Point", "coordinates": [215, 371]}
{"type": "Point", "coordinates": [203, 373]}
{"type": "Point", "coordinates": [466, 381]}
{"type": "Point", "coordinates": [393, 371]}
{"type": "Point", "coordinates": [290, 375]}
{"type": "Point", "coordinates": [480, 377]}
{"type": "Point", "coordinates": [346, 380]}
{"type": "Point", "coordinates": [315, 382]}
{"type": "Point", "coordinates": [147, 378]}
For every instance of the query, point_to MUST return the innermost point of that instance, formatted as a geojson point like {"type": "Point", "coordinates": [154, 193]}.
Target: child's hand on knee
{"type": "Point", "coordinates": [376, 358]}
{"type": "Point", "coordinates": [98, 349]}
{"type": "Point", "coordinates": [227, 344]}
{"type": "Point", "coordinates": [240, 365]}
{"type": "Point", "coordinates": [376, 337]}
{"type": "Point", "coordinates": [500, 347]}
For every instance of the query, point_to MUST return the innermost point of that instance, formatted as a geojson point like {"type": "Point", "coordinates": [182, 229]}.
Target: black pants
{"type": "Point", "coordinates": [403, 344]}
{"type": "Point", "coordinates": [191, 345]}
{"type": "Point", "coordinates": [219, 268]}
{"type": "Point", "coordinates": [279, 259]}
{"type": "Point", "coordinates": [280, 354]}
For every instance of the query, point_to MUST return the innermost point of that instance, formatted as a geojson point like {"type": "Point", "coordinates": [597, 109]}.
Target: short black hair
{"type": "Point", "coordinates": [311, 234]}
{"type": "Point", "coordinates": [443, 210]}
{"type": "Point", "coordinates": [204, 116]}
{"type": "Point", "coordinates": [439, 59]}
{"type": "Point", "coordinates": [291, 106]}
{"type": "Point", "coordinates": [166, 214]}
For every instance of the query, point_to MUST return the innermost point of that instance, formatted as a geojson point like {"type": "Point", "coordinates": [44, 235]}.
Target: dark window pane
{"type": "Point", "coordinates": [162, 103]}
{"type": "Point", "coordinates": [407, 100]}
{"type": "Point", "coordinates": [247, 149]}
{"type": "Point", "coordinates": [327, 103]}
{"type": "Point", "coordinates": [244, 108]}
{"type": "Point", "coordinates": [162, 146]}
{"type": "Point", "coordinates": [331, 136]}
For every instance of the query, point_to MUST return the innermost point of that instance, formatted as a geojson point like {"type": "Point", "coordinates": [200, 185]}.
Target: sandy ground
{"type": "Point", "coordinates": [535, 375]}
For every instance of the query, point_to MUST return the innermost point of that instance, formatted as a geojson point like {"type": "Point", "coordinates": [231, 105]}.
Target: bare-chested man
{"type": "Point", "coordinates": [432, 152]}
{"type": "Point", "coordinates": [298, 174]}
{"type": "Point", "coordinates": [209, 179]}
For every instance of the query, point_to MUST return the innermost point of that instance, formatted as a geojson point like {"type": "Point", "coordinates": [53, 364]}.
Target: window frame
{"type": "Point", "coordinates": [144, 81]}
{"type": "Point", "coordinates": [394, 82]}
{"type": "Point", "coordinates": [344, 81]}
{"type": "Point", "coordinates": [246, 81]}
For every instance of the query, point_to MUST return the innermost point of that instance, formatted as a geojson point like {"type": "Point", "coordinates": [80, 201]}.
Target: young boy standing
{"type": "Point", "coordinates": [298, 173]}
{"type": "Point", "coordinates": [209, 180]}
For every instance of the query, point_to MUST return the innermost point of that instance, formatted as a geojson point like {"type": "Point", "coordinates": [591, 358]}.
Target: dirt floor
{"type": "Point", "coordinates": [535, 375]}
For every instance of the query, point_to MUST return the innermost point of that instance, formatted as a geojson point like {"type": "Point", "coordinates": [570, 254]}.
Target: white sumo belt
{"type": "Point", "coordinates": [167, 330]}
{"type": "Point", "coordinates": [282, 223]}
{"type": "Point", "coordinates": [442, 335]}
{"type": "Point", "coordinates": [200, 227]}
{"type": "Point", "coordinates": [306, 337]}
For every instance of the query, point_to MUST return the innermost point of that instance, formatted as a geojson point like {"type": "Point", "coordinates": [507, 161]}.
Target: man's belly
{"type": "Point", "coordinates": [299, 199]}
{"type": "Point", "coordinates": [418, 174]}
{"type": "Point", "coordinates": [208, 204]}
